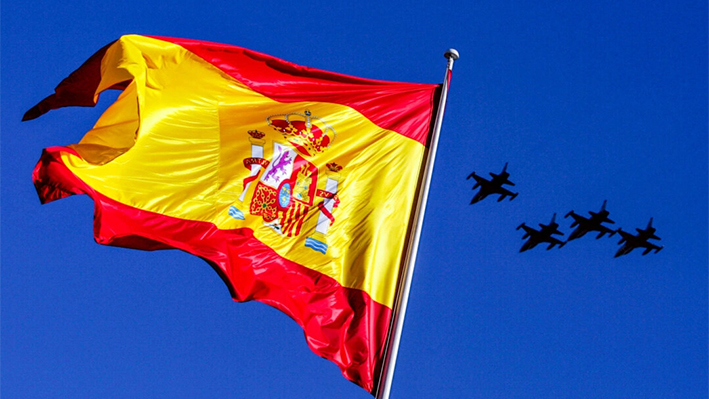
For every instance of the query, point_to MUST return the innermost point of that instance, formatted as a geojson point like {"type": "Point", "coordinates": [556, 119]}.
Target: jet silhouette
{"type": "Point", "coordinates": [493, 186]}
{"type": "Point", "coordinates": [542, 235]}
{"type": "Point", "coordinates": [638, 241]}
{"type": "Point", "coordinates": [590, 224]}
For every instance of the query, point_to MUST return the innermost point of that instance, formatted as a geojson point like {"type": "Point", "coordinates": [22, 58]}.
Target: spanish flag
{"type": "Point", "coordinates": [295, 184]}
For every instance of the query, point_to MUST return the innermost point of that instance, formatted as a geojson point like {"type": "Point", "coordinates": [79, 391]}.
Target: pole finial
{"type": "Point", "coordinates": [452, 54]}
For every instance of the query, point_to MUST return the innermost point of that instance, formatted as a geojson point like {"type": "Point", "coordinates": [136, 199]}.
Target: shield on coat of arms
{"type": "Point", "coordinates": [285, 191]}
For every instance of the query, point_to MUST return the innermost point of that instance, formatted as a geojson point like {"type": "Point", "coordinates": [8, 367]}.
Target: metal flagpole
{"type": "Point", "coordinates": [402, 297]}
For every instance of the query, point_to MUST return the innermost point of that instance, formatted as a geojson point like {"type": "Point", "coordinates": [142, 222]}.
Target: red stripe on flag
{"type": "Point", "coordinates": [78, 89]}
{"type": "Point", "coordinates": [341, 324]}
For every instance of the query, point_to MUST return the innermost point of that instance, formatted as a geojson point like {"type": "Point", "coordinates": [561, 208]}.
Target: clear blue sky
{"type": "Point", "coordinates": [587, 101]}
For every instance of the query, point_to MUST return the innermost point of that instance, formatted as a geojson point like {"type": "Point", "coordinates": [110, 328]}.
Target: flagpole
{"type": "Point", "coordinates": [402, 297]}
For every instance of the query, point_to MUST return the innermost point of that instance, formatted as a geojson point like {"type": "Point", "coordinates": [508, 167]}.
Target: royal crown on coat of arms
{"type": "Point", "coordinates": [282, 188]}
{"type": "Point", "coordinates": [307, 133]}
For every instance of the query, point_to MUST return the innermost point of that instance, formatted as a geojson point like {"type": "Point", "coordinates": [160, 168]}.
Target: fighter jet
{"type": "Point", "coordinates": [542, 235]}
{"type": "Point", "coordinates": [638, 241]}
{"type": "Point", "coordinates": [493, 186]}
{"type": "Point", "coordinates": [590, 224]}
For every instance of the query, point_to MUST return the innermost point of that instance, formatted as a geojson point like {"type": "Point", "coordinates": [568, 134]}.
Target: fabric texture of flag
{"type": "Point", "coordinates": [295, 184]}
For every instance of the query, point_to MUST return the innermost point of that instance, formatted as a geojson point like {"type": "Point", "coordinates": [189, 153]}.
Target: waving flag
{"type": "Point", "coordinates": [295, 184]}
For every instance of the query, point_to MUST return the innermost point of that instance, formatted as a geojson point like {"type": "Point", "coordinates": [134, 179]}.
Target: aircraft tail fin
{"type": "Point", "coordinates": [502, 177]}
{"type": "Point", "coordinates": [555, 226]}
{"type": "Point", "coordinates": [649, 231]}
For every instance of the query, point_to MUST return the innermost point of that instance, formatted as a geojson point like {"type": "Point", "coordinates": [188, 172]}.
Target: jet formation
{"type": "Point", "coordinates": [583, 224]}
{"type": "Point", "coordinates": [493, 186]}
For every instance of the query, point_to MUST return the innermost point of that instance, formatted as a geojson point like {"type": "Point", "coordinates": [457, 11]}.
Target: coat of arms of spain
{"type": "Point", "coordinates": [283, 190]}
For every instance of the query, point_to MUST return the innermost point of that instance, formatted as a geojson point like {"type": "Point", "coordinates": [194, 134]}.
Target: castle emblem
{"type": "Point", "coordinates": [283, 190]}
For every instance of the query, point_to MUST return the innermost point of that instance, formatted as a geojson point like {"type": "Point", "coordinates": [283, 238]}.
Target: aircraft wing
{"type": "Point", "coordinates": [528, 230]}
{"type": "Point", "coordinates": [479, 179]}
{"type": "Point", "coordinates": [578, 219]}
{"type": "Point", "coordinates": [604, 230]}
{"type": "Point", "coordinates": [553, 241]}
{"type": "Point", "coordinates": [504, 193]}
{"type": "Point", "coordinates": [625, 236]}
{"type": "Point", "coordinates": [651, 247]}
